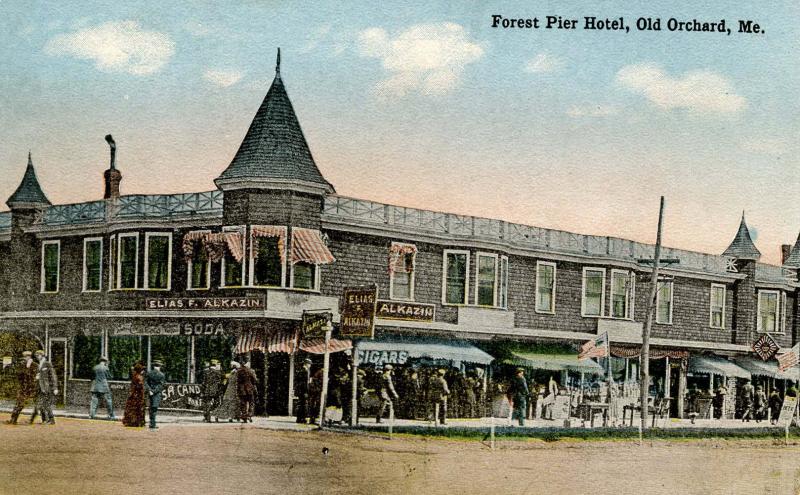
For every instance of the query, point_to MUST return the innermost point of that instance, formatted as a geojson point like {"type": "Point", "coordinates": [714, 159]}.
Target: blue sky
{"type": "Point", "coordinates": [425, 105]}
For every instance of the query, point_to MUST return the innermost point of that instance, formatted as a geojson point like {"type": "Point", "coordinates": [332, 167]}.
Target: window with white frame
{"type": "Point", "coordinates": [233, 259]}
{"type": "Point", "coordinates": [769, 311]}
{"type": "Point", "coordinates": [664, 302]}
{"type": "Point", "coordinates": [158, 260]}
{"type": "Point", "coordinates": [623, 285]}
{"type": "Point", "coordinates": [92, 264]}
{"type": "Point", "coordinates": [402, 261]}
{"type": "Point", "coordinates": [456, 277]}
{"type": "Point", "coordinates": [545, 287]}
{"type": "Point", "coordinates": [198, 263]}
{"type": "Point", "coordinates": [305, 275]}
{"type": "Point", "coordinates": [594, 291]}
{"type": "Point", "coordinates": [127, 260]}
{"type": "Point", "coordinates": [486, 280]}
{"type": "Point", "coordinates": [503, 288]}
{"type": "Point", "coordinates": [267, 255]}
{"type": "Point", "coordinates": [717, 309]}
{"type": "Point", "coordinates": [51, 265]}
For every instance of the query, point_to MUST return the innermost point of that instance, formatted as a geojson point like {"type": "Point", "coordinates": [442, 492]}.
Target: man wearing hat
{"type": "Point", "coordinates": [302, 392]}
{"type": "Point", "coordinates": [211, 388]}
{"type": "Point", "coordinates": [26, 375]}
{"type": "Point", "coordinates": [387, 393]}
{"type": "Point", "coordinates": [519, 395]}
{"type": "Point", "coordinates": [440, 391]}
{"type": "Point", "coordinates": [154, 384]}
{"type": "Point", "coordinates": [46, 389]}
{"type": "Point", "coordinates": [100, 389]}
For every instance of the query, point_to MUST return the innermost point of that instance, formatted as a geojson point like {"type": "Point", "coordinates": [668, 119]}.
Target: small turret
{"type": "Point", "coordinates": [742, 247]}
{"type": "Point", "coordinates": [29, 194]}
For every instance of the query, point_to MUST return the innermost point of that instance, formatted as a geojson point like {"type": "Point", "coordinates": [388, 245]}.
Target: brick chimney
{"type": "Point", "coordinates": [785, 250]}
{"type": "Point", "coordinates": [112, 176]}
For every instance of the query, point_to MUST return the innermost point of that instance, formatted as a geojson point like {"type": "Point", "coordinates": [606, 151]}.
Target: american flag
{"type": "Point", "coordinates": [595, 348]}
{"type": "Point", "coordinates": [789, 358]}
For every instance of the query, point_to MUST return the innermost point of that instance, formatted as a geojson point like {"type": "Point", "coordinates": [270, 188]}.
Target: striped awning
{"type": "Point", "coordinates": [235, 243]}
{"type": "Point", "coordinates": [317, 346]}
{"type": "Point", "coordinates": [759, 367]}
{"type": "Point", "coordinates": [308, 246]}
{"type": "Point", "coordinates": [276, 231]}
{"type": "Point", "coordinates": [716, 365]}
{"type": "Point", "coordinates": [285, 342]}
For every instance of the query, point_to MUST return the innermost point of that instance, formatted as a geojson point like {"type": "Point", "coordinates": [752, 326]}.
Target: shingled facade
{"type": "Point", "coordinates": [274, 239]}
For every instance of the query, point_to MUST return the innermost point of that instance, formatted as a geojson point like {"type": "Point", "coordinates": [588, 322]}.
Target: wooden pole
{"type": "Point", "coordinates": [291, 379]}
{"type": "Point", "coordinates": [325, 369]}
{"type": "Point", "coordinates": [354, 389]}
{"type": "Point", "coordinates": [648, 323]}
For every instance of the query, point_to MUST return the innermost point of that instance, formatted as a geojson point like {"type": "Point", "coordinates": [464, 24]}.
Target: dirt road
{"type": "Point", "coordinates": [80, 456]}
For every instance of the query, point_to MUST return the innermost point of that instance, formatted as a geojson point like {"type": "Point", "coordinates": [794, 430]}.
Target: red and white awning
{"type": "Point", "coordinates": [402, 257]}
{"type": "Point", "coordinates": [285, 342]}
{"type": "Point", "coordinates": [270, 231]}
{"type": "Point", "coordinates": [308, 246]}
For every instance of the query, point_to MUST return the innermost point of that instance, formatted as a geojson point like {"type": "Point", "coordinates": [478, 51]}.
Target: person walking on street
{"type": "Point", "coordinates": [302, 392]}
{"type": "Point", "coordinates": [211, 388]}
{"type": "Point", "coordinates": [440, 392]}
{"type": "Point", "coordinates": [100, 389]}
{"type": "Point", "coordinates": [747, 396]}
{"type": "Point", "coordinates": [760, 404]}
{"type": "Point", "coordinates": [775, 404]}
{"type": "Point", "coordinates": [246, 391]}
{"type": "Point", "coordinates": [134, 407]}
{"type": "Point", "coordinates": [26, 376]}
{"type": "Point", "coordinates": [154, 384]}
{"type": "Point", "coordinates": [46, 389]}
{"type": "Point", "coordinates": [519, 396]}
{"type": "Point", "coordinates": [228, 407]}
{"type": "Point", "coordinates": [387, 393]}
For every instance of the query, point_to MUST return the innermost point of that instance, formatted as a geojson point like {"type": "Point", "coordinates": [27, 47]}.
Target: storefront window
{"type": "Point", "coordinates": [207, 348]}
{"type": "Point", "coordinates": [173, 351]}
{"type": "Point", "coordinates": [124, 352]}
{"type": "Point", "coordinates": [594, 282]}
{"type": "Point", "coordinates": [92, 264]}
{"type": "Point", "coordinates": [85, 355]}
{"type": "Point", "coordinates": [456, 264]}
{"type": "Point", "coordinates": [305, 275]}
{"type": "Point", "coordinates": [267, 265]}
{"type": "Point", "coordinates": [50, 262]}
{"type": "Point", "coordinates": [127, 261]}
{"type": "Point", "coordinates": [158, 260]}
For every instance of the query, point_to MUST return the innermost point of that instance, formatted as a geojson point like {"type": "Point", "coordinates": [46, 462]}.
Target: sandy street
{"type": "Point", "coordinates": [81, 456]}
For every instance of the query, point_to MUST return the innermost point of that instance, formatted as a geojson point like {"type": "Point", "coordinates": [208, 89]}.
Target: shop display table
{"type": "Point", "coordinates": [588, 410]}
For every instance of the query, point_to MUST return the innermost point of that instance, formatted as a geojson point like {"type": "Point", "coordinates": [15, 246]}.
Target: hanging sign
{"type": "Point", "coordinates": [315, 324]}
{"type": "Point", "coordinates": [408, 311]}
{"type": "Point", "coordinates": [766, 347]}
{"type": "Point", "coordinates": [358, 311]}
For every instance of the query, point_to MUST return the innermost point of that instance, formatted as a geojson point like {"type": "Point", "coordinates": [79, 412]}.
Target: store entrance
{"type": "Point", "coordinates": [58, 358]}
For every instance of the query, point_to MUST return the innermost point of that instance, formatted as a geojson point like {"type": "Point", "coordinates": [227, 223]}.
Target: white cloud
{"type": "Point", "coordinates": [766, 146]}
{"type": "Point", "coordinates": [699, 90]}
{"type": "Point", "coordinates": [121, 46]}
{"type": "Point", "coordinates": [222, 78]}
{"type": "Point", "coordinates": [592, 110]}
{"type": "Point", "coordinates": [429, 58]}
{"type": "Point", "coordinates": [544, 62]}
{"type": "Point", "coordinates": [316, 36]}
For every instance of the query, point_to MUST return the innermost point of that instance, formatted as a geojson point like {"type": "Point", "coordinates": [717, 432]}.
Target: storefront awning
{"type": "Point", "coordinates": [285, 342]}
{"type": "Point", "coordinates": [759, 367]}
{"type": "Point", "coordinates": [553, 362]}
{"type": "Point", "coordinates": [715, 365]}
{"type": "Point", "coordinates": [371, 351]}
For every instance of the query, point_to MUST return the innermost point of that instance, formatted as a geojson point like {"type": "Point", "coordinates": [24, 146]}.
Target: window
{"type": "Point", "coordinates": [51, 253]}
{"type": "Point", "coordinates": [622, 293]}
{"type": "Point", "coordinates": [768, 311]}
{"type": "Point", "coordinates": [233, 268]}
{"type": "Point", "coordinates": [267, 262]}
{"type": "Point", "coordinates": [664, 302]}
{"type": "Point", "coordinates": [127, 261]}
{"type": "Point", "coordinates": [158, 253]}
{"type": "Point", "coordinates": [85, 355]}
{"type": "Point", "coordinates": [456, 277]}
{"type": "Point", "coordinates": [545, 287]}
{"type": "Point", "coordinates": [503, 296]}
{"type": "Point", "coordinates": [305, 275]}
{"type": "Point", "coordinates": [208, 347]}
{"type": "Point", "coordinates": [402, 260]}
{"type": "Point", "coordinates": [594, 289]}
{"type": "Point", "coordinates": [92, 264]}
{"type": "Point", "coordinates": [112, 262]}
{"type": "Point", "coordinates": [486, 280]}
{"type": "Point", "coordinates": [124, 351]}
{"type": "Point", "coordinates": [173, 351]}
{"type": "Point", "coordinates": [717, 318]}
{"type": "Point", "coordinates": [198, 265]}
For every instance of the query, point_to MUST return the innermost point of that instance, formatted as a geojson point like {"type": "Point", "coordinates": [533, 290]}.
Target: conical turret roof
{"type": "Point", "coordinates": [274, 150]}
{"type": "Point", "coordinates": [793, 260]}
{"type": "Point", "coordinates": [742, 246]}
{"type": "Point", "coordinates": [29, 193]}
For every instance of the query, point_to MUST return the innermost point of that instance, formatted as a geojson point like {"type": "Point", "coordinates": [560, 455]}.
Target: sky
{"type": "Point", "coordinates": [426, 105]}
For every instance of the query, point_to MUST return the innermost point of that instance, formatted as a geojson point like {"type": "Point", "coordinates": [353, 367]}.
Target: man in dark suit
{"type": "Point", "coordinates": [440, 392]}
{"type": "Point", "coordinates": [387, 393]}
{"type": "Point", "coordinates": [519, 396]}
{"type": "Point", "coordinates": [26, 375]}
{"type": "Point", "coordinates": [100, 389]}
{"type": "Point", "coordinates": [211, 388]}
{"type": "Point", "coordinates": [154, 384]}
{"type": "Point", "coordinates": [302, 391]}
{"type": "Point", "coordinates": [246, 390]}
{"type": "Point", "coordinates": [46, 389]}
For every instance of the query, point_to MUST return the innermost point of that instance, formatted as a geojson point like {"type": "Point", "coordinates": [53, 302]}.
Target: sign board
{"type": "Point", "coordinates": [408, 311]}
{"type": "Point", "coordinates": [314, 324]}
{"type": "Point", "coordinates": [358, 311]}
{"type": "Point", "coordinates": [205, 303]}
{"type": "Point", "coordinates": [787, 411]}
{"type": "Point", "coordinates": [171, 328]}
{"type": "Point", "coordinates": [181, 396]}
{"type": "Point", "coordinates": [766, 347]}
{"type": "Point", "coordinates": [379, 358]}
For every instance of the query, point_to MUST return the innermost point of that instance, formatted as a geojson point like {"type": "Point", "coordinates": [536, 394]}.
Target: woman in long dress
{"type": "Point", "coordinates": [229, 405]}
{"type": "Point", "coordinates": [134, 407]}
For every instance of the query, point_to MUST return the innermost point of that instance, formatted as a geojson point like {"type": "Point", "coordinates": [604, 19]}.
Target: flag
{"type": "Point", "coordinates": [595, 348]}
{"type": "Point", "coordinates": [789, 358]}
